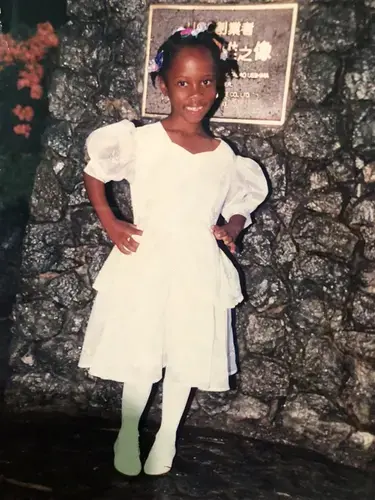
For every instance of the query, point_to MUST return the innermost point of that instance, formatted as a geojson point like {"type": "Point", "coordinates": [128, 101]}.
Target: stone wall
{"type": "Point", "coordinates": [306, 333]}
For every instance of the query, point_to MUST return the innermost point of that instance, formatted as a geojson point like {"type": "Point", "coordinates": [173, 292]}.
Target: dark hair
{"type": "Point", "coordinates": [207, 39]}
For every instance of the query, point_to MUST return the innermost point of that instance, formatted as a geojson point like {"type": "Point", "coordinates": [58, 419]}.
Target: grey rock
{"type": "Point", "coordinates": [79, 196]}
{"type": "Point", "coordinates": [316, 233]}
{"type": "Point", "coordinates": [212, 403]}
{"type": "Point", "coordinates": [82, 43]}
{"type": "Point", "coordinates": [265, 289]}
{"type": "Point", "coordinates": [321, 276]}
{"type": "Point", "coordinates": [48, 201]}
{"type": "Point", "coordinates": [86, 227]}
{"type": "Point", "coordinates": [58, 137]}
{"type": "Point", "coordinates": [342, 169]}
{"type": "Point", "coordinates": [118, 109]}
{"type": "Point", "coordinates": [364, 129]}
{"type": "Point", "coordinates": [359, 80]}
{"type": "Point", "coordinates": [276, 170]}
{"type": "Point", "coordinates": [95, 258]}
{"type": "Point", "coordinates": [368, 235]}
{"type": "Point", "coordinates": [315, 77]}
{"type": "Point", "coordinates": [369, 173]}
{"type": "Point", "coordinates": [310, 313]}
{"type": "Point", "coordinates": [257, 250]}
{"type": "Point", "coordinates": [326, 203]}
{"type": "Point", "coordinates": [121, 192]}
{"type": "Point", "coordinates": [264, 378]}
{"type": "Point", "coordinates": [121, 81]}
{"type": "Point", "coordinates": [68, 289]}
{"type": "Point", "coordinates": [363, 311]}
{"type": "Point", "coordinates": [258, 148]}
{"type": "Point", "coordinates": [286, 209]}
{"type": "Point", "coordinates": [309, 416]}
{"type": "Point", "coordinates": [363, 213]}
{"type": "Point", "coordinates": [358, 395]}
{"type": "Point", "coordinates": [331, 28]}
{"type": "Point", "coordinates": [285, 250]}
{"type": "Point", "coordinates": [367, 279]}
{"type": "Point", "coordinates": [312, 133]}
{"type": "Point", "coordinates": [322, 368]}
{"type": "Point", "coordinates": [40, 320]}
{"type": "Point", "coordinates": [85, 10]}
{"type": "Point", "coordinates": [247, 408]}
{"type": "Point", "coordinates": [357, 344]}
{"type": "Point", "coordinates": [264, 335]}
{"type": "Point", "coordinates": [70, 96]}
{"type": "Point", "coordinates": [61, 352]}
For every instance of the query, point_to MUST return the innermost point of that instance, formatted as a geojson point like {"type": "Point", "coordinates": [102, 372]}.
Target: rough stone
{"type": "Point", "coordinates": [265, 289]}
{"type": "Point", "coordinates": [321, 276]}
{"type": "Point", "coordinates": [315, 77]}
{"type": "Point", "coordinates": [248, 408]}
{"type": "Point", "coordinates": [258, 148]}
{"type": "Point", "coordinates": [276, 170]}
{"type": "Point", "coordinates": [82, 43]}
{"type": "Point", "coordinates": [48, 201]}
{"type": "Point", "coordinates": [59, 137]}
{"type": "Point", "coordinates": [315, 233]}
{"type": "Point", "coordinates": [358, 344]}
{"type": "Point", "coordinates": [331, 28]}
{"type": "Point", "coordinates": [367, 279]}
{"type": "Point", "coordinates": [327, 203]}
{"type": "Point", "coordinates": [264, 378]}
{"type": "Point", "coordinates": [359, 79]}
{"type": "Point", "coordinates": [40, 321]}
{"type": "Point", "coordinates": [322, 368]}
{"type": "Point", "coordinates": [363, 213]}
{"type": "Point", "coordinates": [285, 250]}
{"type": "Point", "coordinates": [342, 169]}
{"type": "Point", "coordinates": [358, 395]}
{"type": "Point", "coordinates": [67, 289]}
{"type": "Point", "coordinates": [81, 8]}
{"type": "Point", "coordinates": [264, 335]}
{"type": "Point", "coordinates": [363, 311]}
{"type": "Point", "coordinates": [309, 416]}
{"type": "Point", "coordinates": [312, 134]}
{"type": "Point", "coordinates": [70, 95]}
{"type": "Point", "coordinates": [364, 129]}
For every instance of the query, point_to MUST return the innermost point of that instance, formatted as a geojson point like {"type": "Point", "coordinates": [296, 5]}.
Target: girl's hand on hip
{"type": "Point", "coordinates": [121, 233]}
{"type": "Point", "coordinates": [228, 234]}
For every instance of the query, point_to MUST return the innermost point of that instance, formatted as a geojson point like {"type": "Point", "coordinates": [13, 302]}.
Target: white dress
{"type": "Point", "coordinates": [168, 304]}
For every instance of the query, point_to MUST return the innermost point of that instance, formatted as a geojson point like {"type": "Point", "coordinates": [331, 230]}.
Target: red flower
{"type": "Point", "coordinates": [24, 114]}
{"type": "Point", "coordinates": [36, 92]}
{"type": "Point", "coordinates": [22, 129]}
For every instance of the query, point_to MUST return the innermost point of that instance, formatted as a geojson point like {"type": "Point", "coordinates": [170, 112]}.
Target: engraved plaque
{"type": "Point", "coordinates": [261, 38]}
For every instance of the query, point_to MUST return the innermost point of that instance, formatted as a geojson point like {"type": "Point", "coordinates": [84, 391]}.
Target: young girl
{"type": "Point", "coordinates": [166, 290]}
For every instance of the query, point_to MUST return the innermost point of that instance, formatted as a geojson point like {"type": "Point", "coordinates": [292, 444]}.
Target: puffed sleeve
{"type": "Point", "coordinates": [110, 150]}
{"type": "Point", "coordinates": [248, 189]}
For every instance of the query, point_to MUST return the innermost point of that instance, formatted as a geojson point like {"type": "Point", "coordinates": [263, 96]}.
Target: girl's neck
{"type": "Point", "coordinates": [177, 124]}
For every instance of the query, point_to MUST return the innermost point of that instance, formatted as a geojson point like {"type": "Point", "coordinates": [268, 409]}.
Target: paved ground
{"type": "Point", "coordinates": [53, 457]}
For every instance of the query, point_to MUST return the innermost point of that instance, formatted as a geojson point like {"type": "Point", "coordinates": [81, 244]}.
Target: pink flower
{"type": "Point", "coordinates": [22, 129]}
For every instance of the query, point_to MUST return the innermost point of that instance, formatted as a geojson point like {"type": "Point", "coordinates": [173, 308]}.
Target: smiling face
{"type": "Point", "coordinates": [190, 84]}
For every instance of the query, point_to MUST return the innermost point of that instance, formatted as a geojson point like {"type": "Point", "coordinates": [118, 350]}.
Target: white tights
{"type": "Point", "coordinates": [134, 400]}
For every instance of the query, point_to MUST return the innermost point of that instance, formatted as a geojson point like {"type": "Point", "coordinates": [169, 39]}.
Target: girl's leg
{"type": "Point", "coordinates": [126, 448]}
{"type": "Point", "coordinates": [175, 397]}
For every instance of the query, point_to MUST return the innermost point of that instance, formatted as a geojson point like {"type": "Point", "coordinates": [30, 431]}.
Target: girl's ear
{"type": "Point", "coordinates": [163, 86]}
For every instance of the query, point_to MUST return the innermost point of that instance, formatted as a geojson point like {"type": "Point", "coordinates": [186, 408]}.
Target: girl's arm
{"type": "Point", "coordinates": [120, 232]}
{"type": "Point", "coordinates": [230, 231]}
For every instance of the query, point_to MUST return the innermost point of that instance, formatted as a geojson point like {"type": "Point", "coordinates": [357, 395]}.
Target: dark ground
{"type": "Point", "coordinates": [44, 456]}
{"type": "Point", "coordinates": [53, 457]}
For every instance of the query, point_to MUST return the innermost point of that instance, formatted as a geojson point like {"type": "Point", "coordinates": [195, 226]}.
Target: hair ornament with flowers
{"type": "Point", "coordinates": [156, 64]}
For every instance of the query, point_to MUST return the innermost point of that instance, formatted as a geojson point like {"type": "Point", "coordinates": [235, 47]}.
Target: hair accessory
{"type": "Point", "coordinates": [156, 64]}
{"type": "Point", "coordinates": [201, 27]}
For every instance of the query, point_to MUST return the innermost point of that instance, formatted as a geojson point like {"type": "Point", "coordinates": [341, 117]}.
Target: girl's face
{"type": "Point", "coordinates": [191, 84]}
